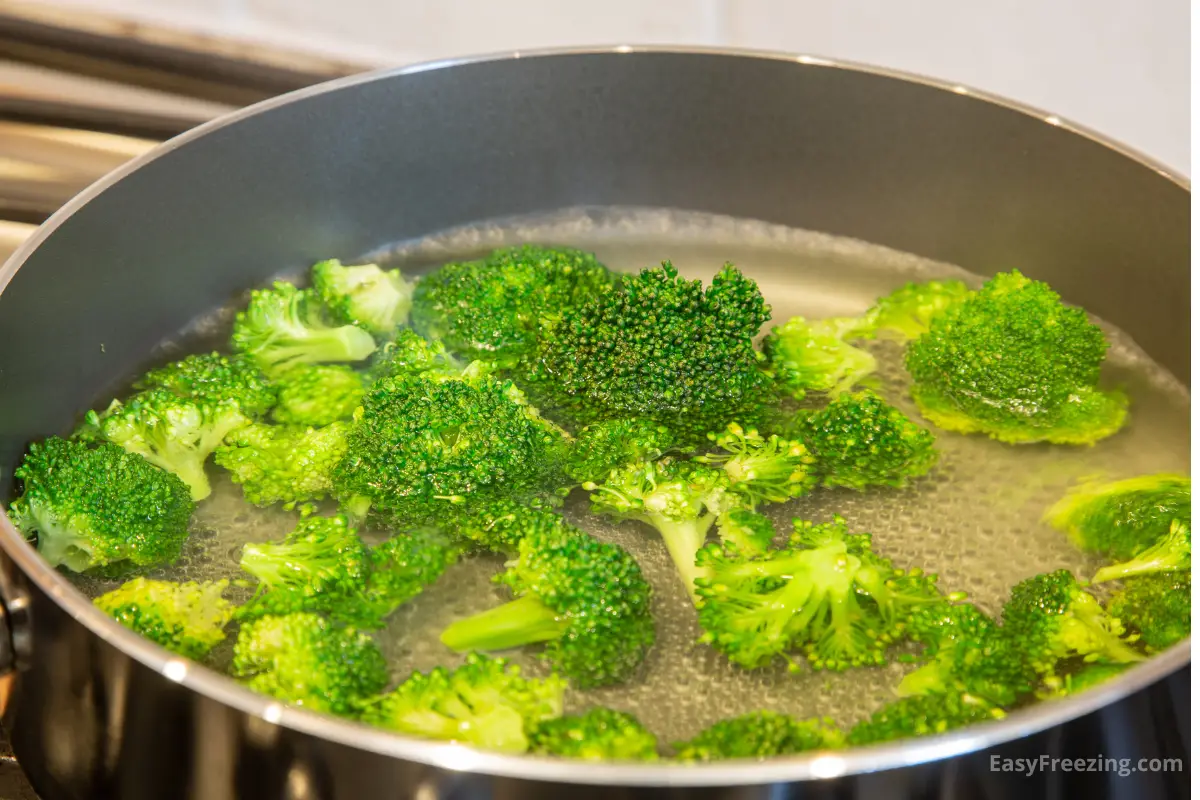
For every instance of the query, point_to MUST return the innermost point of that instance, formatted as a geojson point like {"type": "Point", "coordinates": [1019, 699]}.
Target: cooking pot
{"type": "Point", "coordinates": [94, 711]}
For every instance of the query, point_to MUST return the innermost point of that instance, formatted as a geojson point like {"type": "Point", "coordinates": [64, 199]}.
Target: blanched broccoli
{"type": "Point", "coordinates": [363, 295]}
{"type": "Point", "coordinates": [283, 463]}
{"type": "Point", "coordinates": [500, 525]}
{"type": "Point", "coordinates": [661, 348]}
{"type": "Point", "coordinates": [600, 448]}
{"type": "Point", "coordinates": [1158, 607]}
{"type": "Point", "coordinates": [1013, 362]}
{"type": "Point", "coordinates": [763, 470]}
{"type": "Point", "coordinates": [826, 595]}
{"type": "Point", "coordinates": [587, 600]}
{"type": "Point", "coordinates": [922, 715]}
{"type": "Point", "coordinates": [745, 532]}
{"type": "Point", "coordinates": [1090, 676]}
{"type": "Point", "coordinates": [485, 703]}
{"type": "Point", "coordinates": [172, 432]}
{"type": "Point", "coordinates": [186, 618]}
{"type": "Point", "coordinates": [96, 506]}
{"type": "Point", "coordinates": [816, 356]}
{"type": "Point", "coordinates": [1171, 553]}
{"type": "Point", "coordinates": [282, 327]}
{"type": "Point", "coordinates": [492, 309]}
{"type": "Point", "coordinates": [307, 661]}
{"type": "Point", "coordinates": [408, 354]}
{"type": "Point", "coordinates": [599, 734]}
{"type": "Point", "coordinates": [760, 734]}
{"type": "Point", "coordinates": [907, 312]}
{"type": "Point", "coordinates": [402, 566]}
{"type": "Point", "coordinates": [858, 440]}
{"type": "Point", "coordinates": [214, 379]}
{"type": "Point", "coordinates": [318, 394]}
{"type": "Point", "coordinates": [1052, 619]}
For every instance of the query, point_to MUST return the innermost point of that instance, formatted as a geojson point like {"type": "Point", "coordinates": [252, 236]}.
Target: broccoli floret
{"type": "Point", "coordinates": [967, 652]}
{"type": "Point", "coordinates": [282, 327]}
{"type": "Point", "coordinates": [816, 356]}
{"type": "Point", "coordinates": [906, 313]}
{"type": "Point", "coordinates": [762, 470]}
{"type": "Point", "coordinates": [760, 734]}
{"type": "Point", "coordinates": [586, 599]}
{"type": "Point", "coordinates": [318, 394]}
{"type": "Point", "coordinates": [492, 309]}
{"type": "Point", "coordinates": [420, 446]}
{"type": "Point", "coordinates": [605, 446]}
{"type": "Point", "coordinates": [1052, 619]}
{"type": "Point", "coordinates": [599, 734]}
{"type": "Point", "coordinates": [186, 618]}
{"type": "Point", "coordinates": [1121, 518]}
{"type": "Point", "coordinates": [486, 703]}
{"type": "Point", "coordinates": [172, 432]}
{"type": "Point", "coordinates": [213, 379]}
{"type": "Point", "coordinates": [745, 532]}
{"type": "Point", "coordinates": [826, 595]}
{"type": "Point", "coordinates": [402, 566]}
{"type": "Point", "coordinates": [858, 440]}
{"type": "Point", "coordinates": [662, 348]}
{"type": "Point", "coordinates": [363, 295]}
{"type": "Point", "coordinates": [922, 715]}
{"type": "Point", "coordinates": [500, 526]}
{"type": "Point", "coordinates": [1171, 553]}
{"type": "Point", "coordinates": [281, 463]}
{"type": "Point", "coordinates": [1158, 607]}
{"type": "Point", "coordinates": [95, 506]}
{"type": "Point", "coordinates": [1090, 676]}
{"type": "Point", "coordinates": [307, 661]}
{"type": "Point", "coordinates": [1013, 362]}
{"type": "Point", "coordinates": [408, 354]}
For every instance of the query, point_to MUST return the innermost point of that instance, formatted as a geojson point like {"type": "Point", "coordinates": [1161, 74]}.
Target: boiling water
{"type": "Point", "coordinates": [975, 520]}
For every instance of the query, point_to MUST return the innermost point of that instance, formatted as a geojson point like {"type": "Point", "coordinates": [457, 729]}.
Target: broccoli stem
{"type": "Point", "coordinates": [1090, 625]}
{"type": "Point", "coordinates": [683, 538]}
{"type": "Point", "coordinates": [928, 679]}
{"type": "Point", "coordinates": [525, 620]}
{"type": "Point", "coordinates": [191, 471]}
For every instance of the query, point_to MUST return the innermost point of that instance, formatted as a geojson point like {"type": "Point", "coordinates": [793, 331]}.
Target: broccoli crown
{"type": "Point", "coordinates": [402, 566]}
{"type": "Point", "coordinates": [172, 432]}
{"type": "Point", "coordinates": [408, 354]}
{"type": "Point", "coordinates": [418, 446]}
{"type": "Point", "coordinates": [305, 660]}
{"type": "Point", "coordinates": [363, 295]}
{"type": "Point", "coordinates": [186, 618]}
{"type": "Point", "coordinates": [492, 309]}
{"type": "Point", "coordinates": [485, 703]}
{"type": "Point", "coordinates": [607, 445]}
{"type": "Point", "coordinates": [858, 440]}
{"type": "Point", "coordinates": [1053, 619]}
{"type": "Point", "coordinates": [502, 524]}
{"type": "Point", "coordinates": [659, 347]}
{"type": "Point", "coordinates": [760, 734]}
{"type": "Point", "coordinates": [213, 379]}
{"type": "Point", "coordinates": [826, 594]}
{"type": "Point", "coordinates": [283, 463]}
{"type": "Point", "coordinates": [809, 356]}
{"type": "Point", "coordinates": [599, 734]}
{"type": "Point", "coordinates": [586, 599]}
{"type": "Point", "coordinates": [762, 470]}
{"type": "Point", "coordinates": [1173, 552]}
{"type": "Point", "coordinates": [318, 394]}
{"type": "Point", "coordinates": [95, 506]}
{"type": "Point", "coordinates": [282, 327]}
{"type": "Point", "coordinates": [1121, 518]}
{"type": "Point", "coordinates": [967, 652]}
{"type": "Point", "coordinates": [744, 532]}
{"type": "Point", "coordinates": [1014, 362]}
{"type": "Point", "coordinates": [907, 312]}
{"type": "Point", "coordinates": [1158, 607]}
{"type": "Point", "coordinates": [922, 715]}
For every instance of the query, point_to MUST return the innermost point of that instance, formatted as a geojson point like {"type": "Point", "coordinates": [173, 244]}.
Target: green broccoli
{"type": "Point", "coordinates": [744, 532]}
{"type": "Point", "coordinates": [318, 394]}
{"type": "Point", "coordinates": [1053, 619]}
{"type": "Point", "coordinates": [492, 309]}
{"type": "Point", "coordinates": [96, 506]}
{"type": "Point", "coordinates": [906, 313]}
{"type": "Point", "coordinates": [760, 734]}
{"type": "Point", "coordinates": [283, 463]}
{"type": "Point", "coordinates": [186, 618]}
{"type": "Point", "coordinates": [826, 595]}
{"type": "Point", "coordinates": [282, 327]}
{"type": "Point", "coordinates": [407, 354]}
{"type": "Point", "coordinates": [1013, 362]}
{"type": "Point", "coordinates": [307, 661]}
{"type": "Point", "coordinates": [213, 379]}
{"type": "Point", "coordinates": [363, 295]}
{"type": "Point", "coordinates": [858, 440]}
{"type": "Point", "coordinates": [1158, 607]}
{"type": "Point", "coordinates": [922, 715]}
{"type": "Point", "coordinates": [485, 703]}
{"type": "Point", "coordinates": [1172, 553]}
{"type": "Point", "coordinates": [600, 448]}
{"type": "Point", "coordinates": [661, 348]}
{"type": "Point", "coordinates": [762, 470]}
{"type": "Point", "coordinates": [587, 600]}
{"type": "Point", "coordinates": [1090, 676]}
{"type": "Point", "coordinates": [599, 734]}
{"type": "Point", "coordinates": [402, 566]}
{"type": "Point", "coordinates": [500, 525]}
{"type": "Point", "coordinates": [816, 356]}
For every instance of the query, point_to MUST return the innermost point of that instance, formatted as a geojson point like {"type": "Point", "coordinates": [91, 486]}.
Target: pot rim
{"type": "Point", "coordinates": [814, 765]}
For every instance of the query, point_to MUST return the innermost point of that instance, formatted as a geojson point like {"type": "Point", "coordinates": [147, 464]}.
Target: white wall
{"type": "Point", "coordinates": [1117, 66]}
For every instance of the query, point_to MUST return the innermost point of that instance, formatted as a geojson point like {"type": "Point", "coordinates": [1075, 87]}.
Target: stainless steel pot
{"type": "Point", "coordinates": [93, 711]}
